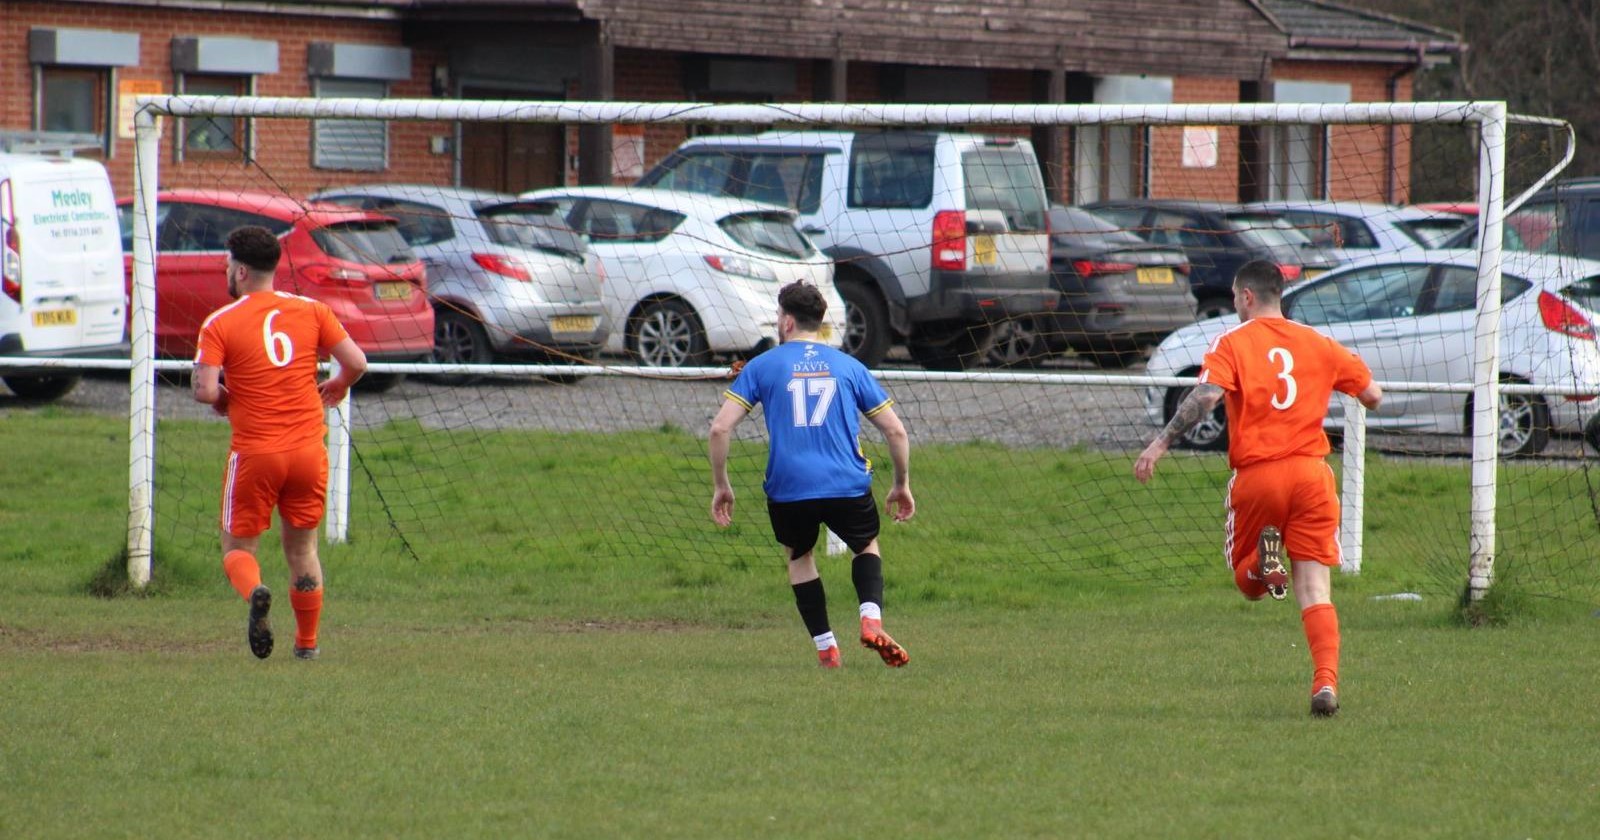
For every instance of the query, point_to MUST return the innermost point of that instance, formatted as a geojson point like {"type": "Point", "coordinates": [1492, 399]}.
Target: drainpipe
{"type": "Point", "coordinates": [1391, 89]}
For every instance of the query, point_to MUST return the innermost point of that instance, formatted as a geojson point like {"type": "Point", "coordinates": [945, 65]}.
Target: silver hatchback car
{"type": "Point", "coordinates": [507, 277]}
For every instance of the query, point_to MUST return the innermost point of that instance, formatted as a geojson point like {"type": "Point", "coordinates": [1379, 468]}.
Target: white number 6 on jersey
{"type": "Point", "coordinates": [1291, 388]}
{"type": "Point", "coordinates": [280, 351]}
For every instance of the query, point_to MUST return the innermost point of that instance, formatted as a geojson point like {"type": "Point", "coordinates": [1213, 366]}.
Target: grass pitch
{"type": "Point", "coordinates": [565, 695]}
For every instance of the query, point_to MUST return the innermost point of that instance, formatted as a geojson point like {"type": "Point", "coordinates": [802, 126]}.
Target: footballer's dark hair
{"type": "Point", "coordinates": [254, 247]}
{"type": "Point", "coordinates": [1263, 278]}
{"type": "Point", "coordinates": [804, 303]}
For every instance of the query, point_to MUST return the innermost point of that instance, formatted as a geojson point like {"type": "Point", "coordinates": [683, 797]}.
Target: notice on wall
{"type": "Point", "coordinates": [627, 153]}
{"type": "Point", "coordinates": [1199, 147]}
{"type": "Point", "coordinates": [127, 89]}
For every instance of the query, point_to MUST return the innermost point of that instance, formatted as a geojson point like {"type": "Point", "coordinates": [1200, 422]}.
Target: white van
{"type": "Point", "coordinates": [62, 290]}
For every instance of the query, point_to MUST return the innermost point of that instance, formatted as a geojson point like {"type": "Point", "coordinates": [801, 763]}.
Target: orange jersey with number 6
{"type": "Point", "coordinates": [1278, 376]}
{"type": "Point", "coordinates": [267, 345]}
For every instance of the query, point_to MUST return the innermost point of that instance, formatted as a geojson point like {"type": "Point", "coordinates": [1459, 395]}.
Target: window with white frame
{"type": "Point", "coordinates": [1113, 161]}
{"type": "Point", "coordinates": [1297, 155]}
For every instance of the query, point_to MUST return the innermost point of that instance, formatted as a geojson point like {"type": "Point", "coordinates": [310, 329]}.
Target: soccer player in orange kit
{"type": "Point", "coordinates": [1275, 377]}
{"type": "Point", "coordinates": [267, 343]}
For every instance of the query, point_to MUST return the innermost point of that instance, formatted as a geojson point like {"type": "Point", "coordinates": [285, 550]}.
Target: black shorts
{"type": "Point", "coordinates": [795, 523]}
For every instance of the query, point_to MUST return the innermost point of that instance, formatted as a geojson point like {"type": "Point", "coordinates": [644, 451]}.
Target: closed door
{"type": "Point", "coordinates": [511, 157]}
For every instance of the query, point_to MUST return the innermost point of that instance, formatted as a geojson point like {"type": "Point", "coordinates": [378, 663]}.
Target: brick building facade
{"type": "Point", "coordinates": [64, 62]}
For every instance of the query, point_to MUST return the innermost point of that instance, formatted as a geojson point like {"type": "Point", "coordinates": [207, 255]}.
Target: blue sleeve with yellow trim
{"type": "Point", "coordinates": [744, 389]}
{"type": "Point", "coordinates": [870, 396]}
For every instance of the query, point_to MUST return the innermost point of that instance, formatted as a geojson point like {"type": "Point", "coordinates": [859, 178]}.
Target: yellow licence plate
{"type": "Point", "coordinates": [983, 252]}
{"type": "Point", "coordinates": [826, 332]}
{"type": "Point", "coordinates": [1313, 273]}
{"type": "Point", "coordinates": [55, 317]}
{"type": "Point", "coordinates": [1156, 276]}
{"type": "Point", "coordinates": [393, 291]}
{"type": "Point", "coordinates": [573, 323]}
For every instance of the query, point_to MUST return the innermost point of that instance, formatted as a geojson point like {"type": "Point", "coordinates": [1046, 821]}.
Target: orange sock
{"type": "Point", "coordinates": [1322, 634]}
{"type": "Point", "coordinates": [307, 612]}
{"type": "Point", "coordinates": [243, 572]}
{"type": "Point", "coordinates": [1252, 588]}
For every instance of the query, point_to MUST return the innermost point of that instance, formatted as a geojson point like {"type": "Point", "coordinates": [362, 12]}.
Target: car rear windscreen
{"type": "Point", "coordinates": [773, 233]}
{"type": "Point", "coordinates": [1006, 180]}
{"type": "Point", "coordinates": [370, 243]}
{"type": "Point", "coordinates": [1266, 231]}
{"type": "Point", "coordinates": [535, 228]}
{"type": "Point", "coordinates": [1433, 233]}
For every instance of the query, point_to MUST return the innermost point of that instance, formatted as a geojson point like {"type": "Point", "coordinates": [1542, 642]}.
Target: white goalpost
{"type": "Point", "coordinates": [1489, 120]}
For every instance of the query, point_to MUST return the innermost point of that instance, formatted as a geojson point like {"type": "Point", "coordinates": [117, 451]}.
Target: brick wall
{"type": "Point", "coordinates": [283, 146]}
{"type": "Point", "coordinates": [1169, 178]}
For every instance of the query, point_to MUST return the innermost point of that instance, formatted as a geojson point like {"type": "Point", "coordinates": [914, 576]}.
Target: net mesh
{"type": "Point", "coordinates": [452, 465]}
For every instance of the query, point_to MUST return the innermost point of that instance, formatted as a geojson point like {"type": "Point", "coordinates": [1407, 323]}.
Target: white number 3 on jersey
{"type": "Point", "coordinates": [1291, 388]}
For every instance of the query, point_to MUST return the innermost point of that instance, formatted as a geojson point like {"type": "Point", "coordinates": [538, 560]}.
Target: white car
{"type": "Point", "coordinates": [690, 276]}
{"type": "Point", "coordinates": [1412, 320]}
{"type": "Point", "coordinates": [1352, 231]}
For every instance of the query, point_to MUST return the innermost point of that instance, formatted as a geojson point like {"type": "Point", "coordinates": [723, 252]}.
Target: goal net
{"type": "Point", "coordinates": [1035, 285]}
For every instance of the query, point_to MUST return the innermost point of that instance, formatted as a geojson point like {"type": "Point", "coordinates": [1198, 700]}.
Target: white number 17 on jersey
{"type": "Point", "coordinates": [823, 388]}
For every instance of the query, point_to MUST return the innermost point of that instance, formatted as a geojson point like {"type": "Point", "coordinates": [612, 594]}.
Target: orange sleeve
{"type": "Point", "coordinates": [211, 345]}
{"type": "Point", "coordinates": [1351, 374]}
{"type": "Point", "coordinates": [1217, 368]}
{"type": "Point", "coordinates": [329, 330]}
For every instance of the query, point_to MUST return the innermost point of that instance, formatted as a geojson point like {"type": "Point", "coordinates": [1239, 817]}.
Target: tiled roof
{"type": "Point", "coordinates": [1324, 24]}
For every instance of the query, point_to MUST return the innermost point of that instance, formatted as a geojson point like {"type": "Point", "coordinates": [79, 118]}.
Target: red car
{"type": "Point", "coordinates": [353, 260]}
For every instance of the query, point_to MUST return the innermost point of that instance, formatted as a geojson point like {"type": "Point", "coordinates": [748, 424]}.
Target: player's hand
{"type": "Point", "coordinates": [1145, 466]}
{"type": "Point", "coordinates": [900, 504]}
{"type": "Point", "coordinates": [722, 506]}
{"type": "Point", "coordinates": [332, 391]}
{"type": "Point", "coordinates": [221, 405]}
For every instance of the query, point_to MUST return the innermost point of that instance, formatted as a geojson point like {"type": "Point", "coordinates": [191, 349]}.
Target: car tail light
{"type": "Point", "coordinates": [503, 266]}
{"type": "Point", "coordinates": [1562, 317]}
{"type": "Point", "coordinates": [950, 240]}
{"type": "Point", "coordinates": [1089, 268]}
{"type": "Point", "coordinates": [1182, 268]}
{"type": "Point", "coordinates": [327, 274]}
{"type": "Point", "coordinates": [740, 267]}
{"type": "Point", "coordinates": [11, 264]}
{"type": "Point", "coordinates": [1290, 273]}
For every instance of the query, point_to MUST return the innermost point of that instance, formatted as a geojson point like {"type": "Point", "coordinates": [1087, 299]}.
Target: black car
{"type": "Point", "coordinates": [1218, 238]}
{"type": "Point", "coordinates": [1563, 218]}
{"type": "Point", "coordinates": [1119, 294]}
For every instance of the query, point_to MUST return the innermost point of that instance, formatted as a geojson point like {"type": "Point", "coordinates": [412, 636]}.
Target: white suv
{"type": "Point", "coordinates": [936, 237]}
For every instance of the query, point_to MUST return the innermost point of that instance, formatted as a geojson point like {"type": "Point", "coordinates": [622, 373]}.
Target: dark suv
{"type": "Point", "coordinates": [1563, 218]}
{"type": "Point", "coordinates": [1218, 238]}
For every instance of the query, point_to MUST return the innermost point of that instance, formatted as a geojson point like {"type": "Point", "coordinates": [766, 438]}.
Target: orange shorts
{"type": "Point", "coordinates": [294, 482]}
{"type": "Point", "coordinates": [1299, 495]}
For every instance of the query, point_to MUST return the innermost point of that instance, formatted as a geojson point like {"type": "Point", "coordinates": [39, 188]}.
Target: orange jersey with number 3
{"type": "Point", "coordinates": [1278, 376]}
{"type": "Point", "coordinates": [267, 345]}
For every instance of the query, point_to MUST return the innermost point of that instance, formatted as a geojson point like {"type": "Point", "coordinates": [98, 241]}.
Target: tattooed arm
{"type": "Point", "coordinates": [1192, 410]}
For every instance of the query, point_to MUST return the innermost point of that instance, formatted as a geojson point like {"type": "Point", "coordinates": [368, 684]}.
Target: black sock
{"type": "Point", "coordinates": [813, 604]}
{"type": "Point", "coordinates": [867, 573]}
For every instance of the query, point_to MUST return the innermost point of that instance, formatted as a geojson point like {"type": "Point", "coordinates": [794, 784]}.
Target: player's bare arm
{"type": "Point", "coordinates": [206, 386]}
{"type": "Point", "coordinates": [729, 416]}
{"type": "Point", "coordinates": [352, 366]}
{"type": "Point", "coordinates": [900, 503]}
{"type": "Point", "coordinates": [1195, 407]}
{"type": "Point", "coordinates": [1371, 396]}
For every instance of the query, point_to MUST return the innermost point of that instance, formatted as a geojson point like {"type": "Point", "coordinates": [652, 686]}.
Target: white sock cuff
{"type": "Point", "coordinates": [824, 641]}
{"type": "Point", "coordinates": [871, 610]}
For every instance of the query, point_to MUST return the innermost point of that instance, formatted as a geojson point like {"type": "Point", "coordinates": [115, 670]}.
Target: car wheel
{"type": "Point", "coordinates": [1214, 307]}
{"type": "Point", "coordinates": [866, 323]}
{"type": "Point", "coordinates": [42, 387]}
{"type": "Point", "coordinates": [459, 339]}
{"type": "Point", "coordinates": [1524, 428]}
{"type": "Point", "coordinates": [963, 350]}
{"type": "Point", "coordinates": [1210, 434]}
{"type": "Point", "coordinates": [1016, 343]}
{"type": "Point", "coordinates": [667, 333]}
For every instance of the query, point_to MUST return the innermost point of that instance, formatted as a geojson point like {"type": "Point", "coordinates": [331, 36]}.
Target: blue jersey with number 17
{"type": "Point", "coordinates": [813, 396]}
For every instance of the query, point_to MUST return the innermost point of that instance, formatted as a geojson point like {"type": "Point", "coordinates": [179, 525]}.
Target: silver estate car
{"type": "Point", "coordinates": [507, 277]}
